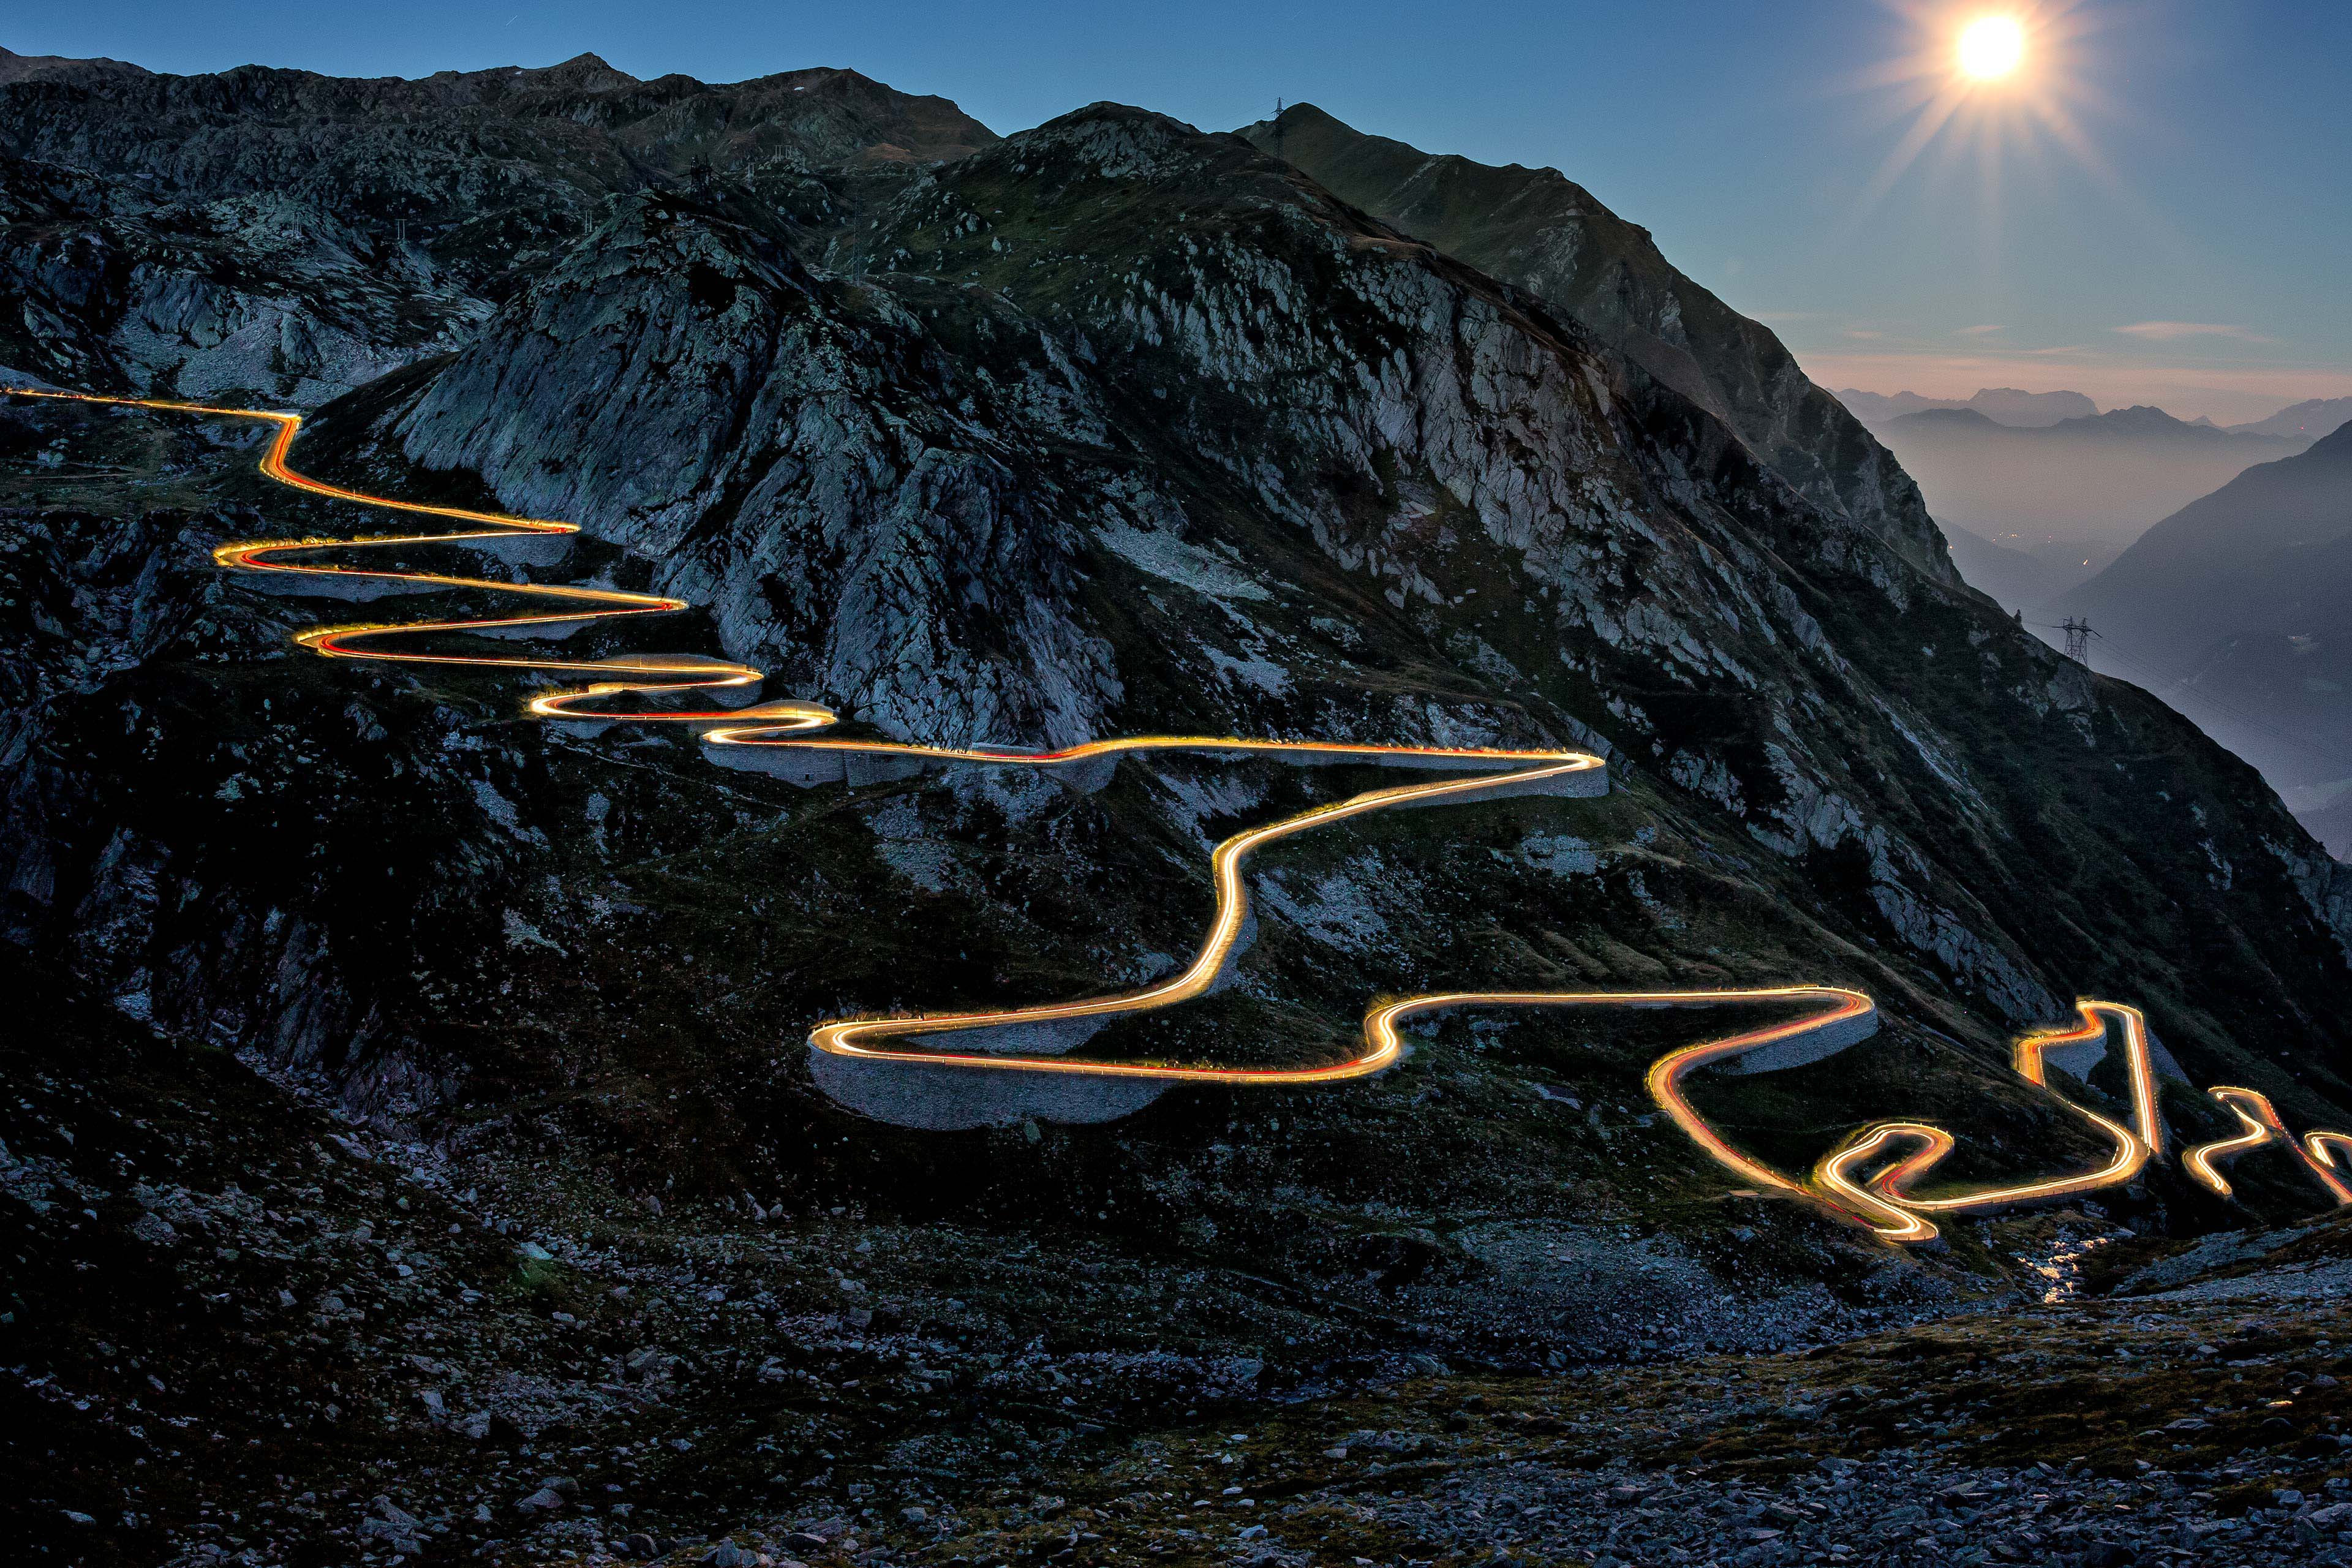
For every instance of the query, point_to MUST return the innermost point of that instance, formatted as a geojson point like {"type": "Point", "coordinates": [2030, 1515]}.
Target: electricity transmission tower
{"type": "Point", "coordinates": [2078, 639]}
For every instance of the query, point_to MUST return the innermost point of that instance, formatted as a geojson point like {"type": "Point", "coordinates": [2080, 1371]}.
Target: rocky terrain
{"type": "Point", "coordinates": [1537, 229]}
{"type": "Point", "coordinates": [413, 1149]}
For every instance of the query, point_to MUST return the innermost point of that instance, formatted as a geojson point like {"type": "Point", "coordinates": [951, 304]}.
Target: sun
{"type": "Point", "coordinates": [1991, 47]}
{"type": "Point", "coordinates": [1989, 82]}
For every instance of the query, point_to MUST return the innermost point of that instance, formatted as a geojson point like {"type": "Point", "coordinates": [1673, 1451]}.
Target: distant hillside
{"type": "Point", "coordinates": [2089, 485]}
{"type": "Point", "coordinates": [2001, 405]}
{"type": "Point", "coordinates": [549, 142]}
{"type": "Point", "coordinates": [2239, 609]}
{"type": "Point", "coordinates": [2306, 421]}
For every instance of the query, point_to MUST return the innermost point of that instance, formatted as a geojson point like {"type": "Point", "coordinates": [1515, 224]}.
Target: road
{"type": "Point", "coordinates": [1870, 1179]}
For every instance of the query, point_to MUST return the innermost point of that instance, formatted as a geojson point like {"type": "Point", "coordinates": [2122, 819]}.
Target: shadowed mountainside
{"type": "Point", "coordinates": [2239, 607]}
{"type": "Point", "coordinates": [284, 236]}
{"type": "Point", "coordinates": [1536, 228]}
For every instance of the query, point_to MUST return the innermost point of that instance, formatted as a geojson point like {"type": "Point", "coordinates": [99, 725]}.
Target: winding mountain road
{"type": "Point", "coordinates": [1868, 1179]}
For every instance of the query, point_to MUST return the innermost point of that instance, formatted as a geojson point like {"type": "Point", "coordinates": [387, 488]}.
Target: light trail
{"type": "Point", "coordinates": [1882, 1201]}
{"type": "Point", "coordinates": [1900, 1214]}
{"type": "Point", "coordinates": [2258, 1131]}
{"type": "Point", "coordinates": [2322, 1148]}
{"type": "Point", "coordinates": [2261, 1125]}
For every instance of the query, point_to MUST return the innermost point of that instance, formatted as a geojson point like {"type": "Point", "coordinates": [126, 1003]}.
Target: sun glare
{"type": "Point", "coordinates": [1991, 47]}
{"type": "Point", "coordinates": [1988, 83]}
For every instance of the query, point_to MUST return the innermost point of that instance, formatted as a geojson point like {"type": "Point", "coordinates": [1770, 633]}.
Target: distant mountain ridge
{"type": "Point", "coordinates": [286, 236]}
{"type": "Point", "coordinates": [459, 142]}
{"type": "Point", "coordinates": [2088, 485]}
{"type": "Point", "coordinates": [2139, 421]}
{"type": "Point", "coordinates": [2306, 421]}
{"type": "Point", "coordinates": [2001, 405]}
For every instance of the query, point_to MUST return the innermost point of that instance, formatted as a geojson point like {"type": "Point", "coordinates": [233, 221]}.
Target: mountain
{"type": "Point", "coordinates": [284, 236]}
{"type": "Point", "coordinates": [460, 146]}
{"type": "Point", "coordinates": [15, 68]}
{"type": "Point", "coordinates": [1536, 228]}
{"type": "Point", "coordinates": [2238, 609]}
{"type": "Point", "coordinates": [2001, 405]}
{"type": "Point", "coordinates": [2087, 486]}
{"type": "Point", "coordinates": [2305, 421]}
{"type": "Point", "coordinates": [410, 1089]}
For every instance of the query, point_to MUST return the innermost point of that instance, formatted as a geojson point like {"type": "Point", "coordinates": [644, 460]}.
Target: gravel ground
{"type": "Point", "coordinates": [2203, 1423]}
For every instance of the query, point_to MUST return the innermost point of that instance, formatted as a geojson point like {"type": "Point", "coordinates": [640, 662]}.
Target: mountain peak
{"type": "Point", "coordinates": [1540, 231]}
{"type": "Point", "coordinates": [582, 72]}
{"type": "Point", "coordinates": [14, 67]}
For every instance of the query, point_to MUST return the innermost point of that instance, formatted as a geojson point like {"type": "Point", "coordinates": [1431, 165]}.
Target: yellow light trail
{"type": "Point", "coordinates": [2261, 1123]}
{"type": "Point", "coordinates": [1882, 1202]}
{"type": "Point", "coordinates": [1901, 1216]}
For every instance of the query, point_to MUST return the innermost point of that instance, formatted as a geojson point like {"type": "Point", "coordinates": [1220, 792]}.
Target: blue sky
{"type": "Point", "coordinates": [2190, 250]}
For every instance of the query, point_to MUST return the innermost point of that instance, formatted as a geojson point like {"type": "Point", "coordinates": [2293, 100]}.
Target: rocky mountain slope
{"type": "Point", "coordinates": [423, 1048]}
{"type": "Point", "coordinates": [460, 147]}
{"type": "Point", "coordinates": [259, 297]}
{"type": "Point", "coordinates": [1537, 230]}
{"type": "Point", "coordinates": [285, 237]}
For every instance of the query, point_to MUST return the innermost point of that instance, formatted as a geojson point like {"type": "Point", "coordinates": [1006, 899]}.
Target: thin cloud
{"type": "Point", "coordinates": [1863, 332]}
{"type": "Point", "coordinates": [2168, 331]}
{"type": "Point", "coordinates": [1980, 331]}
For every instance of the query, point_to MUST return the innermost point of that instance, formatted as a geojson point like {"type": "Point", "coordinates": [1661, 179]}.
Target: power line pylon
{"type": "Point", "coordinates": [2078, 639]}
